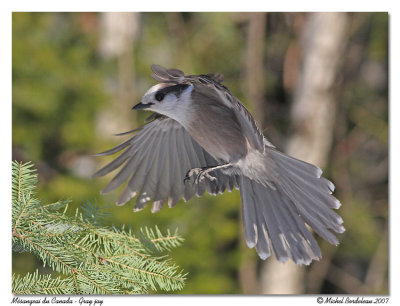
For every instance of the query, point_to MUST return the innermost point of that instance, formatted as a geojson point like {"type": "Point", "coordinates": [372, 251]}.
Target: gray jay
{"type": "Point", "coordinates": [201, 138]}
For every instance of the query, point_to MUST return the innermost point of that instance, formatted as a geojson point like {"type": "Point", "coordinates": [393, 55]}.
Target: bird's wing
{"type": "Point", "coordinates": [213, 81]}
{"type": "Point", "coordinates": [249, 126]}
{"type": "Point", "coordinates": [164, 75]}
{"type": "Point", "coordinates": [156, 161]}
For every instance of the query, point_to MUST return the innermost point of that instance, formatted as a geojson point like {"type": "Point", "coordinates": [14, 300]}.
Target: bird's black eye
{"type": "Point", "coordinates": [159, 96]}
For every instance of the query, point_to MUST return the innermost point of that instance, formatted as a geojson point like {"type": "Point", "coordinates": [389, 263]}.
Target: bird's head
{"type": "Point", "coordinates": [166, 99]}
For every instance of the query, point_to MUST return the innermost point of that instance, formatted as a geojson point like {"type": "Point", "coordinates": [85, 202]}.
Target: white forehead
{"type": "Point", "coordinates": [148, 95]}
{"type": "Point", "coordinates": [155, 88]}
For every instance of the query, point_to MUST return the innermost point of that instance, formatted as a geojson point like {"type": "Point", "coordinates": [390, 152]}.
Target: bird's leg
{"type": "Point", "coordinates": [203, 172]}
{"type": "Point", "coordinates": [200, 174]}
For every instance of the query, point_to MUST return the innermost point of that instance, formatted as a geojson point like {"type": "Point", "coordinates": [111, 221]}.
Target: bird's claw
{"type": "Point", "coordinates": [200, 174]}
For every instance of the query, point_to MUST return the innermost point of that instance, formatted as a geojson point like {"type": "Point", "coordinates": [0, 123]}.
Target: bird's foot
{"type": "Point", "coordinates": [199, 175]}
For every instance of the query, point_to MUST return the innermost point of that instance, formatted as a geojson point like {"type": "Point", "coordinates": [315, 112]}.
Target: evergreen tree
{"type": "Point", "coordinates": [89, 257]}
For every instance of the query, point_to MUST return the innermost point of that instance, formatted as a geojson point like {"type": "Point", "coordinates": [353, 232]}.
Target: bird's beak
{"type": "Point", "coordinates": [142, 106]}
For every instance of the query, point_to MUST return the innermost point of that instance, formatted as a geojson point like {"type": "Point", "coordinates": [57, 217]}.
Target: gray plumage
{"type": "Point", "coordinates": [200, 131]}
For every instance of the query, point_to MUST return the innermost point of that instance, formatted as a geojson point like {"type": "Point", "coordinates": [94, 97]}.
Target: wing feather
{"type": "Point", "coordinates": [163, 175]}
{"type": "Point", "coordinates": [150, 175]}
{"type": "Point", "coordinates": [155, 161]}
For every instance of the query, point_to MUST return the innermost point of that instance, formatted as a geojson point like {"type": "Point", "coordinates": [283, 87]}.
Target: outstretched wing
{"type": "Point", "coordinates": [156, 162]}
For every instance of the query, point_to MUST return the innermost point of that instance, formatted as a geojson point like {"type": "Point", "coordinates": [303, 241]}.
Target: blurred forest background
{"type": "Point", "coordinates": [316, 82]}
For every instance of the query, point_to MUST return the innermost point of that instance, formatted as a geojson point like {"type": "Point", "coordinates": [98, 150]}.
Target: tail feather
{"type": "Point", "coordinates": [307, 248]}
{"type": "Point", "coordinates": [306, 174]}
{"type": "Point", "coordinates": [309, 194]}
{"type": "Point", "coordinates": [263, 243]}
{"type": "Point", "coordinates": [296, 245]}
{"type": "Point", "coordinates": [312, 203]}
{"type": "Point", "coordinates": [271, 221]}
{"type": "Point", "coordinates": [275, 214]}
{"type": "Point", "coordinates": [248, 212]}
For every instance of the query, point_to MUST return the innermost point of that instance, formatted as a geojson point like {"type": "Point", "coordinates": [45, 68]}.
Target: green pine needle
{"type": "Point", "coordinates": [92, 258]}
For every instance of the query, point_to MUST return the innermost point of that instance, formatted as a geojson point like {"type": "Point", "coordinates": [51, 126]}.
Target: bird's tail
{"type": "Point", "coordinates": [275, 214]}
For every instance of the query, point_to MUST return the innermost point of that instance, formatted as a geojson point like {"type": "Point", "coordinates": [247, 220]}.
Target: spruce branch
{"type": "Point", "coordinates": [92, 258]}
{"type": "Point", "coordinates": [34, 283]}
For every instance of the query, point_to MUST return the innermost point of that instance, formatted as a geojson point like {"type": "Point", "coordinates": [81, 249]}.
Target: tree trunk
{"type": "Point", "coordinates": [254, 65]}
{"type": "Point", "coordinates": [313, 116]}
{"type": "Point", "coordinates": [254, 90]}
{"type": "Point", "coordinates": [313, 109]}
{"type": "Point", "coordinates": [118, 32]}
